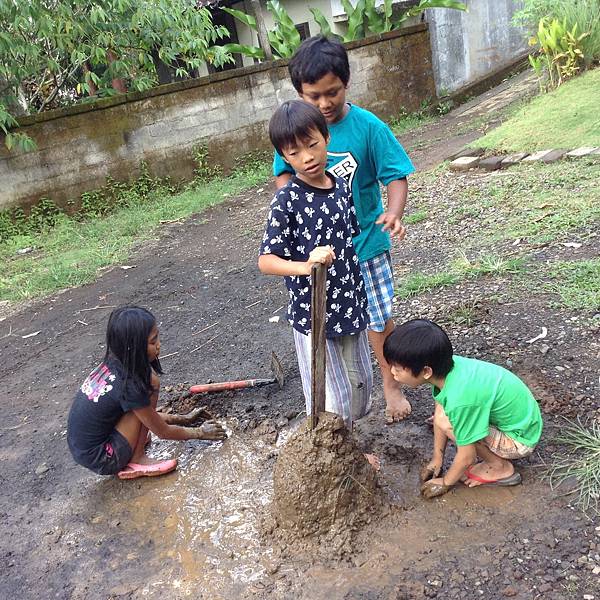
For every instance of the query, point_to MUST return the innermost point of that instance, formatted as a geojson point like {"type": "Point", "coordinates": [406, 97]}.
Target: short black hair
{"type": "Point", "coordinates": [293, 120]}
{"type": "Point", "coordinates": [417, 344]}
{"type": "Point", "coordinates": [316, 57]}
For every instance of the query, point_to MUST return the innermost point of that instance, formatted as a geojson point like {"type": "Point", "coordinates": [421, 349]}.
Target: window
{"type": "Point", "coordinates": [303, 30]}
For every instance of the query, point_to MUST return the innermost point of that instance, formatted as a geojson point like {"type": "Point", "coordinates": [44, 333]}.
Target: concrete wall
{"type": "Point", "coordinates": [80, 146]}
{"type": "Point", "coordinates": [467, 46]}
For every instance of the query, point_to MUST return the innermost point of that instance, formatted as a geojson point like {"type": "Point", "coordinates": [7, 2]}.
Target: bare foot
{"type": "Point", "coordinates": [397, 406]}
{"type": "Point", "coordinates": [373, 461]}
{"type": "Point", "coordinates": [489, 472]}
{"type": "Point", "coordinates": [145, 460]}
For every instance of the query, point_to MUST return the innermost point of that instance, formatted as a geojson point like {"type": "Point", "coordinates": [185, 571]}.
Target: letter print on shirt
{"type": "Point", "coordinates": [342, 164]}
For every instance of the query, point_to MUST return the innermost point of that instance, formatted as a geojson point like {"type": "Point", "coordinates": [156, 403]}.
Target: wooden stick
{"type": "Point", "coordinates": [207, 342]}
{"type": "Point", "coordinates": [205, 329]}
{"type": "Point", "coordinates": [95, 308]}
{"type": "Point", "coordinates": [318, 341]}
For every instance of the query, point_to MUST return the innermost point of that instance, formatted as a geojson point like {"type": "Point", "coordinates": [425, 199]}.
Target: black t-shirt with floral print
{"type": "Point", "coordinates": [301, 218]}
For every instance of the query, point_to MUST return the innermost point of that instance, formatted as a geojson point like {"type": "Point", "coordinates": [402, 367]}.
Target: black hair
{"type": "Point", "coordinates": [316, 57]}
{"type": "Point", "coordinates": [417, 344]}
{"type": "Point", "coordinates": [127, 335]}
{"type": "Point", "coordinates": [295, 120]}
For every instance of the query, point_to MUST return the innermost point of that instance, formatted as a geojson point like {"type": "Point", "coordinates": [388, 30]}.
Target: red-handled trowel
{"type": "Point", "coordinates": [276, 368]}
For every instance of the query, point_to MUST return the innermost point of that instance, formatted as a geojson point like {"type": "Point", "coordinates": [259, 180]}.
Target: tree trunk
{"type": "Point", "coordinates": [261, 29]}
{"type": "Point", "coordinates": [118, 84]}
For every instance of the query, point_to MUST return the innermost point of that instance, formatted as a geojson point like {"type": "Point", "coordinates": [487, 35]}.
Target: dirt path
{"type": "Point", "coordinates": [70, 534]}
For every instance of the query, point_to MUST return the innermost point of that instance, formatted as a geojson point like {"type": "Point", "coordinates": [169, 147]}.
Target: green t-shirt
{"type": "Point", "coordinates": [363, 151]}
{"type": "Point", "coordinates": [477, 394]}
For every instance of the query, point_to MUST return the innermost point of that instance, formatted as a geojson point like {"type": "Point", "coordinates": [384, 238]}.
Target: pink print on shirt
{"type": "Point", "coordinates": [96, 384]}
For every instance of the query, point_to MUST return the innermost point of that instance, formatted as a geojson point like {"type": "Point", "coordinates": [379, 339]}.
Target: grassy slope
{"type": "Point", "coordinates": [72, 252]}
{"type": "Point", "coordinates": [568, 117]}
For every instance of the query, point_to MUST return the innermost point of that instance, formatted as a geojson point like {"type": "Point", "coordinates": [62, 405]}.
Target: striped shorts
{"type": "Point", "coordinates": [349, 374]}
{"type": "Point", "coordinates": [379, 284]}
{"type": "Point", "coordinates": [504, 446]}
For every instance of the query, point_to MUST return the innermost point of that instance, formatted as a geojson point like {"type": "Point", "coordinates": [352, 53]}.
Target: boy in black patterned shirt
{"type": "Point", "coordinates": [312, 220]}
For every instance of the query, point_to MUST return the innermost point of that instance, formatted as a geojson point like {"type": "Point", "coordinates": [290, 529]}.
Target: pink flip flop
{"type": "Point", "coordinates": [513, 479]}
{"type": "Point", "coordinates": [135, 470]}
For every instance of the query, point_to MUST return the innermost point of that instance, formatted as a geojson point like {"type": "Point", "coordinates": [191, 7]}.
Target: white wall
{"type": "Point", "coordinates": [467, 46]}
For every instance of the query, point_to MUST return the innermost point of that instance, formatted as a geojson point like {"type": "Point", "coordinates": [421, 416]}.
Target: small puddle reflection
{"type": "Point", "coordinates": [205, 516]}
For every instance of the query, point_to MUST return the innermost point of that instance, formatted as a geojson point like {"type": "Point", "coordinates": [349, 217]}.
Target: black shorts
{"type": "Point", "coordinates": [110, 457]}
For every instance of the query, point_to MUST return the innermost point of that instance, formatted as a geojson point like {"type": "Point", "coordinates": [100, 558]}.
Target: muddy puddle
{"type": "Point", "coordinates": [203, 525]}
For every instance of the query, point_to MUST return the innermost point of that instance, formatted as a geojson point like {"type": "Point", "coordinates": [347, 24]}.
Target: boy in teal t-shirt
{"type": "Point", "coordinates": [485, 409]}
{"type": "Point", "coordinates": [363, 150]}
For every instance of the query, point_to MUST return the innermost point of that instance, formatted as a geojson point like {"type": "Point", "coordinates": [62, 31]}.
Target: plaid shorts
{"type": "Point", "coordinates": [378, 275]}
{"type": "Point", "coordinates": [348, 374]}
{"type": "Point", "coordinates": [504, 446]}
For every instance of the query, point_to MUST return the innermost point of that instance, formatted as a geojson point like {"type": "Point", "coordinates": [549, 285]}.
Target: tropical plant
{"type": "Point", "coordinates": [57, 52]}
{"type": "Point", "coordinates": [363, 19]}
{"type": "Point", "coordinates": [583, 13]}
{"type": "Point", "coordinates": [283, 37]}
{"type": "Point", "coordinates": [560, 53]}
{"type": "Point", "coordinates": [366, 19]}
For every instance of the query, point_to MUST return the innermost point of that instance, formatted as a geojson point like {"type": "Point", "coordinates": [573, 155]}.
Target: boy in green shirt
{"type": "Point", "coordinates": [486, 410]}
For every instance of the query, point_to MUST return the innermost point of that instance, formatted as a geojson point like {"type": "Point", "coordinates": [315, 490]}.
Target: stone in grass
{"type": "Point", "coordinates": [491, 163]}
{"type": "Point", "coordinates": [513, 159]}
{"type": "Point", "coordinates": [466, 152]}
{"type": "Point", "coordinates": [553, 156]}
{"type": "Point", "coordinates": [464, 163]}
{"type": "Point", "coordinates": [583, 151]}
{"type": "Point", "coordinates": [537, 156]}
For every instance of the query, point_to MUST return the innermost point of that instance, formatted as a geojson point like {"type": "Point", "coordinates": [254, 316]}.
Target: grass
{"type": "Point", "coordinates": [406, 121]}
{"type": "Point", "coordinates": [416, 217]}
{"type": "Point", "coordinates": [579, 461]}
{"type": "Point", "coordinates": [72, 252]}
{"type": "Point", "coordinates": [459, 269]}
{"type": "Point", "coordinates": [567, 117]}
{"type": "Point", "coordinates": [577, 283]}
{"type": "Point", "coordinates": [538, 203]}
{"type": "Point", "coordinates": [419, 283]}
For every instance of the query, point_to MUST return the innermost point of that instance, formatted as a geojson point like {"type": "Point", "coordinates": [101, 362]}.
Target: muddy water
{"type": "Point", "coordinates": [202, 524]}
{"type": "Point", "coordinates": [203, 518]}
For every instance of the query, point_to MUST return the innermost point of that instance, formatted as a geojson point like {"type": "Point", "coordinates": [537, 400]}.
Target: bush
{"type": "Point", "coordinates": [585, 14]}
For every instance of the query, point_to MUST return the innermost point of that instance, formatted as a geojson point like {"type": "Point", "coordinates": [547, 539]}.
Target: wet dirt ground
{"type": "Point", "coordinates": [200, 532]}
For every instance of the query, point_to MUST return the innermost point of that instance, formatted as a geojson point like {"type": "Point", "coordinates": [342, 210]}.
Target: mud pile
{"type": "Point", "coordinates": [323, 485]}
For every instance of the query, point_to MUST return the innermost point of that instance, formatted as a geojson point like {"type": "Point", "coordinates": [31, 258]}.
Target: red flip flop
{"type": "Point", "coordinates": [135, 470]}
{"type": "Point", "coordinates": [513, 479]}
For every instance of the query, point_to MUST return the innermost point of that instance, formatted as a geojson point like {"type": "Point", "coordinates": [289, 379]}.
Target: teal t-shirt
{"type": "Point", "coordinates": [477, 394]}
{"type": "Point", "coordinates": [364, 151]}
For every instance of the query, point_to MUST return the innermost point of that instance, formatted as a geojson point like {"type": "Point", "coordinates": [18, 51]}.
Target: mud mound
{"type": "Point", "coordinates": [322, 483]}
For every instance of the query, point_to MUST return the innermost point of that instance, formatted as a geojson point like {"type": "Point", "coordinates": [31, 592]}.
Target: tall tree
{"type": "Point", "coordinates": [57, 52]}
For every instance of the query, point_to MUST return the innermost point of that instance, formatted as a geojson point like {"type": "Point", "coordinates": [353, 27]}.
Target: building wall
{"type": "Point", "coordinates": [467, 46]}
{"type": "Point", "coordinates": [228, 112]}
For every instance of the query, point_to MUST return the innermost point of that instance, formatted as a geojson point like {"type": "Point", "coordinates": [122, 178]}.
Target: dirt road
{"type": "Point", "coordinates": [69, 534]}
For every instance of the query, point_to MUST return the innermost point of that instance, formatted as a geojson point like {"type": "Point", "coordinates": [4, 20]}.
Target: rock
{"type": "Point", "coordinates": [537, 156]}
{"type": "Point", "coordinates": [544, 348]}
{"type": "Point", "coordinates": [491, 163]}
{"type": "Point", "coordinates": [466, 152]}
{"type": "Point", "coordinates": [42, 468]}
{"type": "Point", "coordinates": [464, 163]}
{"type": "Point", "coordinates": [509, 591]}
{"type": "Point", "coordinates": [553, 156]}
{"type": "Point", "coordinates": [513, 159]}
{"type": "Point", "coordinates": [579, 152]}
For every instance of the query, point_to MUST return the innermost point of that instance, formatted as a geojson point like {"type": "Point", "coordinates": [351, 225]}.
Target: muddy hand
{"type": "Point", "coordinates": [429, 471]}
{"type": "Point", "coordinates": [431, 489]}
{"type": "Point", "coordinates": [209, 430]}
